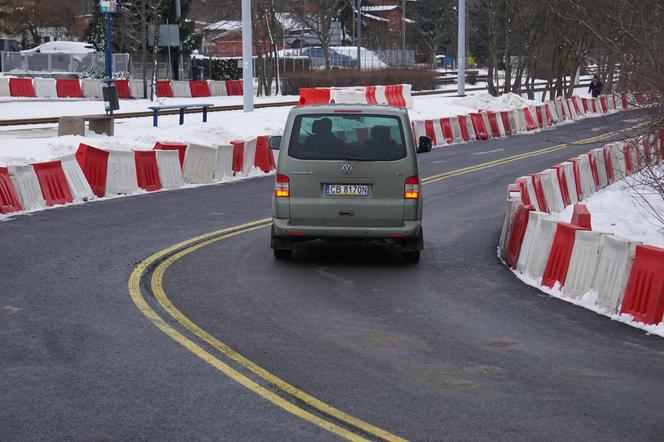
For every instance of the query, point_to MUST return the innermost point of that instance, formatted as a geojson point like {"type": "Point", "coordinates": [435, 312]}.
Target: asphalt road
{"type": "Point", "coordinates": [454, 348]}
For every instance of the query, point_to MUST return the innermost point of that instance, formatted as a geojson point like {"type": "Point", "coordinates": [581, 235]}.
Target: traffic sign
{"type": "Point", "coordinates": [108, 6]}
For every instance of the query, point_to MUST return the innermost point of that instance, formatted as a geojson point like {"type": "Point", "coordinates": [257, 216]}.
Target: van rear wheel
{"type": "Point", "coordinates": [282, 254]}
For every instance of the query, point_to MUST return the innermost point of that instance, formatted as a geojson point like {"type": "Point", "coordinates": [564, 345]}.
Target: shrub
{"type": "Point", "coordinates": [421, 79]}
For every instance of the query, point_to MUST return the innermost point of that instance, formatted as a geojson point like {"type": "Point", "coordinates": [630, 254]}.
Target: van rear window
{"type": "Point", "coordinates": [358, 137]}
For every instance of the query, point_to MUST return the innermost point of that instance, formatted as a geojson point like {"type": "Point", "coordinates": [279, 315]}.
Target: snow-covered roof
{"type": "Point", "coordinates": [379, 8]}
{"type": "Point", "coordinates": [289, 22]}
{"type": "Point", "coordinates": [382, 19]}
{"type": "Point", "coordinates": [224, 25]}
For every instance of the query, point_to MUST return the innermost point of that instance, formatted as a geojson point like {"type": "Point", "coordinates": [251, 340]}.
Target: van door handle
{"type": "Point", "coordinates": [346, 212]}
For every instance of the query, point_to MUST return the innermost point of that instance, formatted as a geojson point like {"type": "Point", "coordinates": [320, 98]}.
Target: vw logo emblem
{"type": "Point", "coordinates": [346, 169]}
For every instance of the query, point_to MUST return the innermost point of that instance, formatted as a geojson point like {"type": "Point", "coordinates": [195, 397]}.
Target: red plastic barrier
{"type": "Point", "coordinates": [507, 125]}
{"type": "Point", "coordinates": [123, 89]}
{"type": "Point", "coordinates": [314, 96]}
{"type": "Point", "coordinates": [478, 124]}
{"type": "Point", "coordinates": [518, 231]}
{"type": "Point", "coordinates": [593, 169]}
{"type": "Point", "coordinates": [199, 88]}
{"type": "Point", "coordinates": [586, 107]}
{"type": "Point", "coordinates": [235, 87]}
{"type": "Point", "coordinates": [604, 104]}
{"type": "Point", "coordinates": [394, 96]}
{"type": "Point", "coordinates": [68, 88]}
{"type": "Point", "coordinates": [463, 125]}
{"type": "Point", "coordinates": [577, 177]}
{"type": "Point", "coordinates": [94, 163]}
{"type": "Point", "coordinates": [371, 95]}
{"type": "Point", "coordinates": [523, 187]}
{"type": "Point", "coordinates": [428, 129]}
{"type": "Point", "coordinates": [549, 117]}
{"type": "Point", "coordinates": [560, 254]}
{"type": "Point", "coordinates": [608, 164]}
{"type": "Point", "coordinates": [530, 121]}
{"type": "Point", "coordinates": [264, 156]}
{"type": "Point", "coordinates": [540, 116]}
{"type": "Point", "coordinates": [644, 295]}
{"type": "Point", "coordinates": [173, 145]}
{"type": "Point", "coordinates": [581, 217]}
{"type": "Point", "coordinates": [562, 181]}
{"type": "Point", "coordinates": [9, 202]}
{"type": "Point", "coordinates": [594, 106]}
{"type": "Point", "coordinates": [164, 89]}
{"type": "Point", "coordinates": [446, 127]}
{"type": "Point", "coordinates": [629, 166]}
{"type": "Point", "coordinates": [625, 101]}
{"type": "Point", "coordinates": [576, 106]}
{"type": "Point", "coordinates": [493, 121]}
{"type": "Point", "coordinates": [147, 171]}
{"type": "Point", "coordinates": [238, 155]}
{"type": "Point", "coordinates": [539, 192]}
{"type": "Point", "coordinates": [21, 87]}
{"type": "Point", "coordinates": [53, 183]}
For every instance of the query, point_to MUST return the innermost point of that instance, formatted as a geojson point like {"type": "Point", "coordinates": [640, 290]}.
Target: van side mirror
{"type": "Point", "coordinates": [424, 145]}
{"type": "Point", "coordinates": [275, 142]}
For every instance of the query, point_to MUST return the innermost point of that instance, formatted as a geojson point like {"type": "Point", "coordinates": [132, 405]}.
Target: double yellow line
{"type": "Point", "coordinates": [315, 411]}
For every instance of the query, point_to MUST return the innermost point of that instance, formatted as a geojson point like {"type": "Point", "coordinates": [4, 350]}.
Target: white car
{"type": "Point", "coordinates": [62, 47]}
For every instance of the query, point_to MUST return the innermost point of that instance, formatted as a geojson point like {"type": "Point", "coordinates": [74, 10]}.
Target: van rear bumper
{"type": "Point", "coordinates": [283, 229]}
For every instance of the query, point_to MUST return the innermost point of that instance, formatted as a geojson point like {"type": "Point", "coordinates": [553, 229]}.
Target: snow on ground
{"type": "Point", "coordinates": [624, 209]}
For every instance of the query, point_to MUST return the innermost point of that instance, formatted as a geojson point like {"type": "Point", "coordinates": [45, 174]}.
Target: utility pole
{"type": "Point", "coordinates": [461, 50]}
{"type": "Point", "coordinates": [178, 19]}
{"type": "Point", "coordinates": [144, 47]}
{"type": "Point", "coordinates": [247, 55]}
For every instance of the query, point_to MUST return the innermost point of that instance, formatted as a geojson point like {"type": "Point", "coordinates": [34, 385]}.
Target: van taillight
{"type": "Point", "coordinates": [282, 186]}
{"type": "Point", "coordinates": [411, 189]}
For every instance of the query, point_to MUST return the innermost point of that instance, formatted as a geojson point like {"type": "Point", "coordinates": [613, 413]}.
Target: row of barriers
{"type": "Point", "coordinates": [626, 276]}
{"type": "Point", "coordinates": [96, 173]}
{"type": "Point", "coordinates": [126, 89]}
{"type": "Point", "coordinates": [397, 95]}
{"type": "Point", "coordinates": [485, 124]}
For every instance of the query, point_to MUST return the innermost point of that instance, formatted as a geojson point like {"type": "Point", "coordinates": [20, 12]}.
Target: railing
{"type": "Point", "coordinates": [21, 63]}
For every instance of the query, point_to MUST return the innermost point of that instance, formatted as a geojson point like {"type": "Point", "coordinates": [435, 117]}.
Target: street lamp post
{"type": "Point", "coordinates": [247, 54]}
{"type": "Point", "coordinates": [461, 50]}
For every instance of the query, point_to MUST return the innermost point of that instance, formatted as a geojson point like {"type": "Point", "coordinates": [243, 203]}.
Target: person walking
{"type": "Point", "coordinates": [596, 86]}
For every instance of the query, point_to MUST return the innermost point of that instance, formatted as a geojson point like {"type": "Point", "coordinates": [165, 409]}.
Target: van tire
{"type": "Point", "coordinates": [282, 254]}
{"type": "Point", "coordinates": [411, 257]}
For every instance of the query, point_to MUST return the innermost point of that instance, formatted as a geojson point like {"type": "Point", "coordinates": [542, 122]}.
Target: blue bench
{"type": "Point", "coordinates": [182, 107]}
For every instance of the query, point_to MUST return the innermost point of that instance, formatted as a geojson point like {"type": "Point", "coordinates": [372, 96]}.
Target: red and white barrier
{"type": "Point", "coordinates": [218, 88]}
{"type": "Point", "coordinates": [224, 162]}
{"type": "Point", "coordinates": [121, 178]}
{"type": "Point", "coordinates": [27, 187]}
{"type": "Point", "coordinates": [79, 186]}
{"type": "Point", "coordinates": [199, 164]}
{"type": "Point", "coordinates": [180, 89]}
{"type": "Point", "coordinates": [170, 169]}
{"type": "Point", "coordinates": [582, 264]}
{"type": "Point", "coordinates": [45, 88]}
{"type": "Point", "coordinates": [613, 268]}
{"type": "Point", "coordinates": [4, 87]}
{"type": "Point", "coordinates": [91, 88]}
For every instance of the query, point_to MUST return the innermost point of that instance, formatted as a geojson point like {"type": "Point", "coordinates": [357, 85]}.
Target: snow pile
{"type": "Point", "coordinates": [505, 102]}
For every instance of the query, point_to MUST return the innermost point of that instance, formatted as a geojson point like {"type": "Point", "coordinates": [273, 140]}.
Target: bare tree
{"type": "Point", "coordinates": [318, 15]}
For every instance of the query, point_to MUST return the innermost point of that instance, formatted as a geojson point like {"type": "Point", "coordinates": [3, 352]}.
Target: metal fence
{"type": "Point", "coordinates": [345, 57]}
{"type": "Point", "coordinates": [20, 63]}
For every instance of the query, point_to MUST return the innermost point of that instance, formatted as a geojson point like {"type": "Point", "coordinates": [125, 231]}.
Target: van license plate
{"type": "Point", "coordinates": [346, 190]}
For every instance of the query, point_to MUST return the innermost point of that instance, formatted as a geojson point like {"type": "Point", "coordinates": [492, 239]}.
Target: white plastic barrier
{"type": "Point", "coordinates": [510, 210]}
{"type": "Point", "coordinates": [534, 218]}
{"type": "Point", "coordinates": [91, 88]}
{"type": "Point", "coordinates": [181, 89]}
{"type": "Point", "coordinates": [568, 168]}
{"type": "Point", "coordinates": [249, 155]}
{"type": "Point", "coordinates": [4, 87]}
{"type": "Point", "coordinates": [539, 251]}
{"type": "Point", "coordinates": [456, 130]}
{"type": "Point", "coordinates": [170, 171]}
{"type": "Point", "coordinates": [380, 95]}
{"type": "Point", "coordinates": [501, 125]}
{"type": "Point", "coordinates": [618, 163]}
{"type": "Point", "coordinates": [218, 88]}
{"type": "Point", "coordinates": [598, 103]}
{"type": "Point", "coordinates": [582, 264]}
{"type": "Point", "coordinates": [518, 118]}
{"type": "Point", "coordinates": [471, 130]}
{"type": "Point", "coordinates": [45, 87]}
{"type": "Point", "coordinates": [600, 162]}
{"type": "Point", "coordinates": [348, 96]}
{"type": "Point", "coordinates": [224, 164]}
{"type": "Point", "coordinates": [586, 176]}
{"type": "Point", "coordinates": [487, 124]}
{"type": "Point", "coordinates": [551, 187]}
{"type": "Point", "coordinates": [562, 115]}
{"type": "Point", "coordinates": [78, 184]}
{"type": "Point", "coordinates": [438, 132]}
{"type": "Point", "coordinates": [27, 187]}
{"type": "Point", "coordinates": [408, 96]}
{"type": "Point", "coordinates": [136, 88]}
{"type": "Point", "coordinates": [570, 109]}
{"type": "Point", "coordinates": [199, 164]}
{"type": "Point", "coordinates": [579, 105]}
{"type": "Point", "coordinates": [121, 173]}
{"type": "Point", "coordinates": [419, 129]}
{"type": "Point", "coordinates": [613, 269]}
